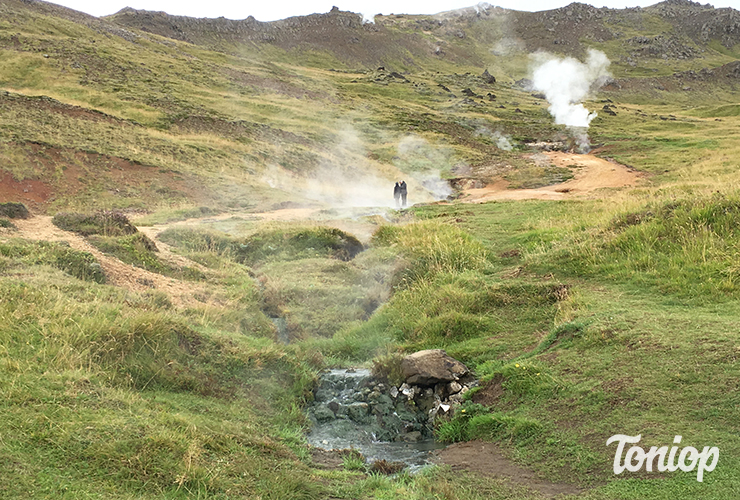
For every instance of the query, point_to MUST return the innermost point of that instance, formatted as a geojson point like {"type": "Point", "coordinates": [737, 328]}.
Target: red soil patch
{"type": "Point", "coordinates": [66, 173]}
{"type": "Point", "coordinates": [30, 192]}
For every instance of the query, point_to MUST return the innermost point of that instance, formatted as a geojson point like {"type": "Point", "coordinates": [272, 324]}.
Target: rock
{"type": "Point", "coordinates": [488, 77]}
{"type": "Point", "coordinates": [412, 437]}
{"type": "Point", "coordinates": [440, 390]}
{"type": "Point", "coordinates": [358, 412]}
{"type": "Point", "coordinates": [323, 395]}
{"type": "Point", "coordinates": [333, 406]}
{"type": "Point", "coordinates": [323, 413]}
{"type": "Point", "coordinates": [454, 387]}
{"type": "Point", "coordinates": [430, 367]}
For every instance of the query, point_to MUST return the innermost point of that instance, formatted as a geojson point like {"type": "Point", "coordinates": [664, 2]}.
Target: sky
{"type": "Point", "coordinates": [271, 11]}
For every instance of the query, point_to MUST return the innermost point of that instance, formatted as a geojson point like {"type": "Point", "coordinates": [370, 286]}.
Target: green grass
{"type": "Point", "coordinates": [583, 319]}
{"type": "Point", "coordinates": [6, 224]}
{"type": "Point", "coordinates": [102, 223]}
{"type": "Point", "coordinates": [81, 265]}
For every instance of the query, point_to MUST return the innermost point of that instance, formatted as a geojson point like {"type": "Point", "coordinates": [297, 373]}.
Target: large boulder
{"type": "Point", "coordinates": [430, 367]}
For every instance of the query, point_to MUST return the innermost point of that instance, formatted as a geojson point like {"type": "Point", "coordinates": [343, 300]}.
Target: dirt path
{"type": "Point", "coordinates": [592, 173]}
{"type": "Point", "coordinates": [486, 459]}
{"type": "Point", "coordinates": [361, 229]}
{"type": "Point", "coordinates": [40, 228]}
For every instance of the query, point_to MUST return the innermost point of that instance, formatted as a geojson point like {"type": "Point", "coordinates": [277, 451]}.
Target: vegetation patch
{"type": "Point", "coordinates": [685, 247]}
{"type": "Point", "coordinates": [432, 248]}
{"type": "Point", "coordinates": [137, 249]}
{"type": "Point", "coordinates": [475, 421]}
{"type": "Point", "coordinates": [106, 223]}
{"type": "Point", "coordinates": [14, 210]}
{"type": "Point", "coordinates": [6, 224]}
{"type": "Point", "coordinates": [280, 244]}
{"type": "Point", "coordinates": [81, 265]}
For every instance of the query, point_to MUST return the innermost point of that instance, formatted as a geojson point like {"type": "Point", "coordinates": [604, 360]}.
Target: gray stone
{"type": "Point", "coordinates": [323, 413]}
{"type": "Point", "coordinates": [323, 395]}
{"type": "Point", "coordinates": [358, 412]}
{"type": "Point", "coordinates": [430, 367]}
{"type": "Point", "coordinates": [412, 437]}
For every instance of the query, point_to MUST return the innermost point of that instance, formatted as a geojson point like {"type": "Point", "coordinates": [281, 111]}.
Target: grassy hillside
{"type": "Point", "coordinates": [153, 363]}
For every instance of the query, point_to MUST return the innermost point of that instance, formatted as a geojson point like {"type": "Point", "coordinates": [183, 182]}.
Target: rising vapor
{"type": "Point", "coordinates": [565, 83]}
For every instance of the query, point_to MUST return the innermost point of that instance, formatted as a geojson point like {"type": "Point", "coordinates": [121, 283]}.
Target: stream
{"type": "Point", "coordinates": [352, 410]}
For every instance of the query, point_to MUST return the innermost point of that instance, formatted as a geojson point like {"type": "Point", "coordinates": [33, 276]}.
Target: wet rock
{"type": "Point", "coordinates": [359, 412]}
{"type": "Point", "coordinates": [429, 367]}
{"type": "Point", "coordinates": [412, 437]}
{"type": "Point", "coordinates": [333, 406]}
{"type": "Point", "coordinates": [323, 413]}
{"type": "Point", "coordinates": [322, 395]}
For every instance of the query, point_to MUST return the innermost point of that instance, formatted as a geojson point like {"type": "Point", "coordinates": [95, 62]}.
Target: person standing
{"type": "Point", "coordinates": [404, 192]}
{"type": "Point", "coordinates": [397, 194]}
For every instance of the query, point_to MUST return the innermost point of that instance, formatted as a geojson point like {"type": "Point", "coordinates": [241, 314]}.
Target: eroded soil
{"type": "Point", "coordinates": [591, 174]}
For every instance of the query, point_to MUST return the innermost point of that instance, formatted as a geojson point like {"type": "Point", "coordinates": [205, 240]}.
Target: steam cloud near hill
{"type": "Point", "coordinates": [346, 178]}
{"type": "Point", "coordinates": [565, 83]}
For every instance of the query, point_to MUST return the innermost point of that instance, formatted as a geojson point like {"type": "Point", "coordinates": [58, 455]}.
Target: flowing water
{"type": "Point", "coordinates": [281, 324]}
{"type": "Point", "coordinates": [351, 410]}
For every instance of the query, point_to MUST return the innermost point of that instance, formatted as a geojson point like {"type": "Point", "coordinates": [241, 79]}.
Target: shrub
{"type": "Point", "coordinates": [14, 210]}
{"type": "Point", "coordinates": [289, 244]}
{"type": "Point", "coordinates": [106, 223]}
{"type": "Point", "coordinates": [6, 224]}
{"type": "Point", "coordinates": [81, 265]}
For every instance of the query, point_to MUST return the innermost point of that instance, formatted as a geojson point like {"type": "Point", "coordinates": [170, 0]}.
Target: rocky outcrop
{"type": "Point", "coordinates": [430, 367]}
{"type": "Point", "coordinates": [353, 405]}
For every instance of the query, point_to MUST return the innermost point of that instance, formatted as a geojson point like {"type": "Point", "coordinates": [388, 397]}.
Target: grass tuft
{"type": "Point", "coordinates": [106, 223]}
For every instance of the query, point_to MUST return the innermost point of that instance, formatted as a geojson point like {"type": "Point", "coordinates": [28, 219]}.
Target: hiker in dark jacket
{"type": "Point", "coordinates": [404, 191]}
{"type": "Point", "coordinates": [397, 194]}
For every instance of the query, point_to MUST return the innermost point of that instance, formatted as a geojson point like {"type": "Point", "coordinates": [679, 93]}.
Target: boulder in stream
{"type": "Point", "coordinates": [430, 367]}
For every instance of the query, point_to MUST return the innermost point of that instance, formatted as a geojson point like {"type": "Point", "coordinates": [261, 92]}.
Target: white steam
{"type": "Point", "coordinates": [368, 18]}
{"type": "Point", "coordinates": [424, 163]}
{"type": "Point", "coordinates": [502, 141]}
{"type": "Point", "coordinates": [565, 83]}
{"type": "Point", "coordinates": [347, 178]}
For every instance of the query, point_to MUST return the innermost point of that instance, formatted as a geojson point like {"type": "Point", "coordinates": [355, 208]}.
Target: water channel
{"type": "Point", "coordinates": [352, 410]}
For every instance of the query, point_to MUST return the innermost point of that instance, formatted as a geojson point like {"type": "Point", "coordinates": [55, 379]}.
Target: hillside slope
{"type": "Point", "coordinates": [211, 225]}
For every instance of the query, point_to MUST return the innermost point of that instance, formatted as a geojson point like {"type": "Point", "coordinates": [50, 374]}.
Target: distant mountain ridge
{"type": "Point", "coordinates": [688, 28]}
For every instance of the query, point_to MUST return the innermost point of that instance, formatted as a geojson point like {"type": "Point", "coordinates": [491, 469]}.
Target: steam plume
{"type": "Point", "coordinates": [345, 177]}
{"type": "Point", "coordinates": [502, 141]}
{"type": "Point", "coordinates": [565, 83]}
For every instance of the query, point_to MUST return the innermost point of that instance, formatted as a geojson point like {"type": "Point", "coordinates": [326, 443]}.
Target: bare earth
{"type": "Point", "coordinates": [593, 173]}
{"type": "Point", "coordinates": [486, 459]}
{"type": "Point", "coordinates": [118, 273]}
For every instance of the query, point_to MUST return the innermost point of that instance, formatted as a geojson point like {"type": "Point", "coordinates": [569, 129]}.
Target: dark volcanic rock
{"type": "Point", "coordinates": [488, 78]}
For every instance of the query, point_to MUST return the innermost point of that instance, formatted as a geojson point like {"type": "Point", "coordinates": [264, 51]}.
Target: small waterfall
{"type": "Point", "coordinates": [352, 410]}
